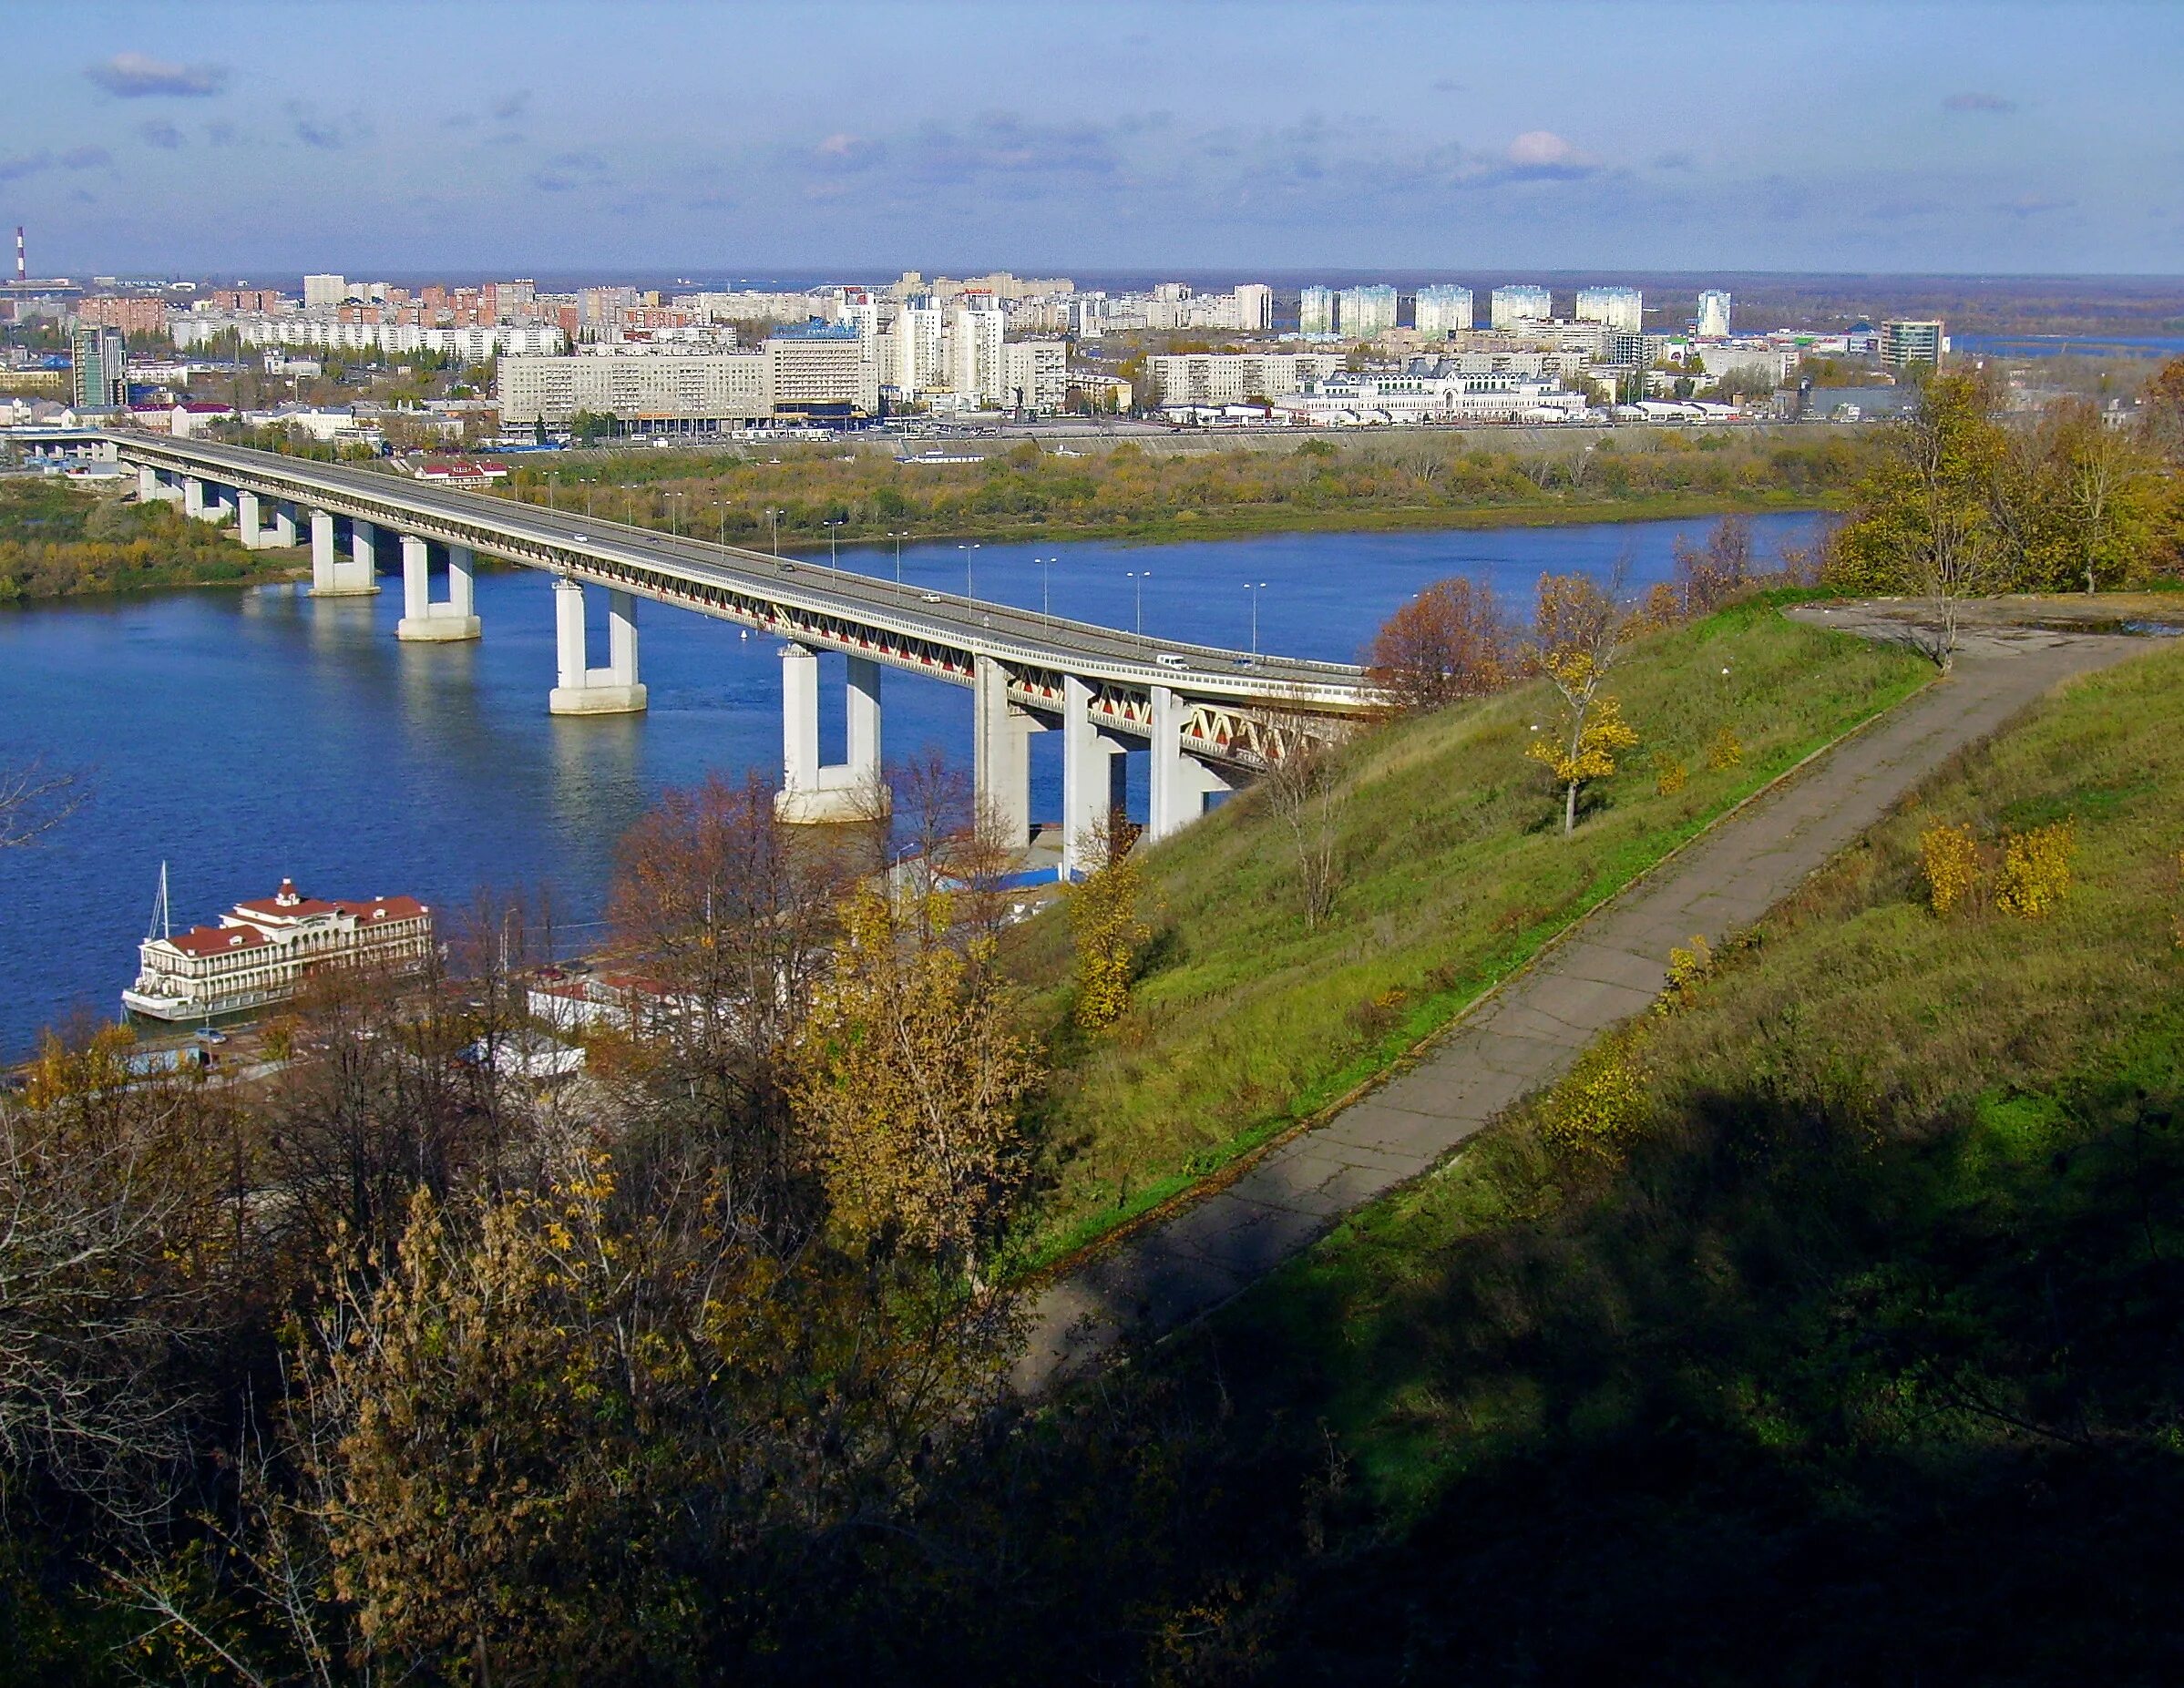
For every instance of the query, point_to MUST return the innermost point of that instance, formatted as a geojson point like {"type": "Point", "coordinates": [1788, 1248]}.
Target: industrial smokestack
{"type": "Point", "coordinates": [22, 264]}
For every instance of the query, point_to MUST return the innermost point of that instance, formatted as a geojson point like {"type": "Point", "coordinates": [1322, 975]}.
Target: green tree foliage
{"type": "Point", "coordinates": [1965, 500]}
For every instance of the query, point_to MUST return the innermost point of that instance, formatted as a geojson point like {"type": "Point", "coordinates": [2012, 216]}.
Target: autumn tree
{"type": "Point", "coordinates": [2109, 491]}
{"type": "Point", "coordinates": [1304, 789]}
{"type": "Point", "coordinates": [911, 1078]}
{"type": "Point", "coordinates": [1709, 576]}
{"type": "Point", "coordinates": [1923, 522]}
{"type": "Point", "coordinates": [729, 913]}
{"type": "Point", "coordinates": [1578, 634]}
{"type": "Point", "coordinates": [1447, 643]}
{"type": "Point", "coordinates": [1106, 929]}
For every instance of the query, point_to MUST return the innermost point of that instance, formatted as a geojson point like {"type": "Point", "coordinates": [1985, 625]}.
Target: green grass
{"type": "Point", "coordinates": [1934, 1065]}
{"type": "Point", "coordinates": [1454, 874]}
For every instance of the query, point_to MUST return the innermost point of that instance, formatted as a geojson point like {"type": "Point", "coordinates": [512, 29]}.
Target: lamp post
{"type": "Point", "coordinates": [674, 512]}
{"type": "Point", "coordinates": [722, 506]}
{"type": "Point", "coordinates": [1252, 588]}
{"type": "Point", "coordinates": [834, 552]}
{"type": "Point", "coordinates": [899, 538]}
{"type": "Point", "coordinates": [1046, 582]}
{"type": "Point", "coordinates": [1140, 576]}
{"type": "Point", "coordinates": [967, 550]}
{"type": "Point", "coordinates": [774, 522]}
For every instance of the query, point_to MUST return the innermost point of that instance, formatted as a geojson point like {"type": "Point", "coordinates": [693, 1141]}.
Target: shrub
{"type": "Point", "coordinates": [1597, 1110]}
{"type": "Point", "coordinates": [1668, 775]}
{"type": "Point", "coordinates": [1949, 855]}
{"type": "Point", "coordinates": [1687, 968]}
{"type": "Point", "coordinates": [2035, 869]}
{"type": "Point", "coordinates": [1726, 751]}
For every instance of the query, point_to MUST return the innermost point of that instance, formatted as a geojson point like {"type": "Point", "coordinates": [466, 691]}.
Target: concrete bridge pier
{"type": "Point", "coordinates": [423, 621]}
{"type": "Point", "coordinates": [1095, 780]}
{"type": "Point", "coordinates": [201, 499]}
{"type": "Point", "coordinates": [280, 529]}
{"type": "Point", "coordinates": [581, 689]}
{"type": "Point", "coordinates": [1000, 755]}
{"type": "Point", "coordinates": [812, 791]}
{"type": "Point", "coordinates": [149, 485]}
{"type": "Point", "coordinates": [332, 575]}
{"type": "Point", "coordinates": [1180, 782]}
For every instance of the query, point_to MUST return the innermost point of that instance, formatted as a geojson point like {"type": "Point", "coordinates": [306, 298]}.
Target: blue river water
{"type": "Point", "coordinates": [245, 735]}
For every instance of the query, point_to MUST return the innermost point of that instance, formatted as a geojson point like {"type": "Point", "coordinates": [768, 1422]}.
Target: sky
{"type": "Point", "coordinates": [749, 136]}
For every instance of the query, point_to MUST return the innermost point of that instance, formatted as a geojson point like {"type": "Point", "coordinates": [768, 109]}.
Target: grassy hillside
{"type": "Point", "coordinates": [1873, 1349]}
{"type": "Point", "coordinates": [1454, 872]}
{"type": "Point", "coordinates": [1865, 1362]}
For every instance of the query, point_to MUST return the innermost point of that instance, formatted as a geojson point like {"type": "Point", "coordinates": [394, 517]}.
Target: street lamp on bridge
{"type": "Point", "coordinates": [1140, 576]}
{"type": "Point", "coordinates": [1252, 589]}
{"type": "Point", "coordinates": [967, 550]}
{"type": "Point", "coordinates": [834, 551]}
{"type": "Point", "coordinates": [899, 538]}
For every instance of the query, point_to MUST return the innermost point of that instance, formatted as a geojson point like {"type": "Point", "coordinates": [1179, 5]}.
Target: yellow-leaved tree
{"type": "Point", "coordinates": [1105, 923]}
{"type": "Point", "coordinates": [910, 1078]}
{"type": "Point", "coordinates": [1579, 628]}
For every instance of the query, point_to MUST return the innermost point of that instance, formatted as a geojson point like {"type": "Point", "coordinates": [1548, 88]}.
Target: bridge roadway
{"type": "Point", "coordinates": [1207, 714]}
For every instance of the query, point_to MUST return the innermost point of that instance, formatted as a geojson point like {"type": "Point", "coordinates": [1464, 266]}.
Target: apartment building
{"type": "Point", "coordinates": [1232, 377]}
{"type": "Point", "coordinates": [1616, 307]}
{"type": "Point", "coordinates": [1441, 309]}
{"type": "Point", "coordinates": [727, 389]}
{"type": "Point", "coordinates": [1508, 306]}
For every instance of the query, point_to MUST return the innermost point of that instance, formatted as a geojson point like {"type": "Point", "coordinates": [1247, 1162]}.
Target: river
{"type": "Point", "coordinates": [245, 735]}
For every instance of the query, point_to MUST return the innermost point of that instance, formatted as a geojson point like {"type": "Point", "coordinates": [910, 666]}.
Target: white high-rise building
{"type": "Point", "coordinates": [1255, 307]}
{"type": "Point", "coordinates": [1618, 307]}
{"type": "Point", "coordinates": [1316, 310]}
{"type": "Point", "coordinates": [1713, 314]}
{"type": "Point", "coordinates": [975, 370]}
{"type": "Point", "coordinates": [921, 333]}
{"type": "Point", "coordinates": [324, 290]}
{"type": "Point", "coordinates": [1442, 309]}
{"type": "Point", "coordinates": [1510, 305]}
{"type": "Point", "coordinates": [1367, 312]}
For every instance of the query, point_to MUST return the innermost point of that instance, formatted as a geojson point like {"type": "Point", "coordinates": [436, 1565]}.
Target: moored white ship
{"type": "Point", "coordinates": [263, 949]}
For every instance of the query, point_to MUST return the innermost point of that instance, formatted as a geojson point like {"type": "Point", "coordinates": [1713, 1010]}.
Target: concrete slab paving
{"type": "Point", "coordinates": [1162, 1277]}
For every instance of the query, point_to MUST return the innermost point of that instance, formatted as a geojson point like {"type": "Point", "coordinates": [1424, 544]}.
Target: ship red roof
{"type": "Point", "coordinates": [217, 940]}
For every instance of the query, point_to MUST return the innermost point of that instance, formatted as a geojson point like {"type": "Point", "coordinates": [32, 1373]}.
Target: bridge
{"type": "Point", "coordinates": [1208, 717]}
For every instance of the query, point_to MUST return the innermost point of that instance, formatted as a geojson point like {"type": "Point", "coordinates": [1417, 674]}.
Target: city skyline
{"type": "Point", "coordinates": [1943, 139]}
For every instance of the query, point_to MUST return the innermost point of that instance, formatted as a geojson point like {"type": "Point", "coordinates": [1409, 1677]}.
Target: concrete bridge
{"type": "Point", "coordinates": [1207, 717]}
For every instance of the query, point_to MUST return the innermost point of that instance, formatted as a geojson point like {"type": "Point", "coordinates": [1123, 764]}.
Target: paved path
{"type": "Point", "coordinates": [1610, 968]}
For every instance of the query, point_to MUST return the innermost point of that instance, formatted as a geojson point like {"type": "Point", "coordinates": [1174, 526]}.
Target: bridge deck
{"type": "Point", "coordinates": [728, 582]}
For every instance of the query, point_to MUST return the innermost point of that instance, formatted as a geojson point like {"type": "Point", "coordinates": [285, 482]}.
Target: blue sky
{"type": "Point", "coordinates": [257, 139]}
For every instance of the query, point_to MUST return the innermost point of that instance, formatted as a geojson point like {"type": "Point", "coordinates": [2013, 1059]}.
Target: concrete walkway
{"type": "Point", "coordinates": [1609, 968]}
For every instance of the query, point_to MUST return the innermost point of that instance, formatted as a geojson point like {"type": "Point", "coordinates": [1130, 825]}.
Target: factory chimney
{"type": "Point", "coordinates": [22, 266]}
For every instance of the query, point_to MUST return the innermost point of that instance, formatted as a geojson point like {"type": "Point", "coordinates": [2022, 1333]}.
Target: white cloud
{"type": "Point", "coordinates": [135, 76]}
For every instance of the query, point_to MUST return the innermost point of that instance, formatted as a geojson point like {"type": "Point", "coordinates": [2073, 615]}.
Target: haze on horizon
{"type": "Point", "coordinates": [233, 139]}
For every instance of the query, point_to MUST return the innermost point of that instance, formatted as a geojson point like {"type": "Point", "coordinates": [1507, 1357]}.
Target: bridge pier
{"type": "Point", "coordinates": [1095, 783]}
{"type": "Point", "coordinates": [195, 503]}
{"type": "Point", "coordinates": [149, 484]}
{"type": "Point", "coordinates": [331, 576]}
{"type": "Point", "coordinates": [581, 689]}
{"type": "Point", "coordinates": [281, 519]}
{"type": "Point", "coordinates": [1000, 755]}
{"type": "Point", "coordinates": [423, 621]}
{"type": "Point", "coordinates": [812, 792]}
{"type": "Point", "coordinates": [1180, 782]}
